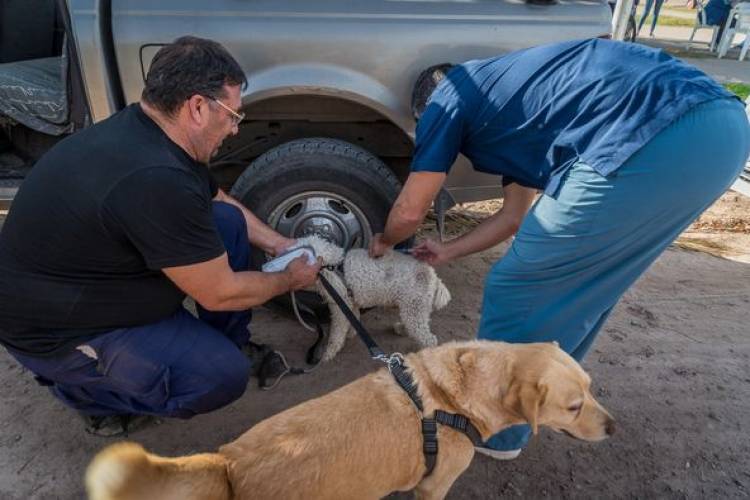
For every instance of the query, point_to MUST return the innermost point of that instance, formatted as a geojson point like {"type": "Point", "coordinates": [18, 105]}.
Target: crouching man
{"type": "Point", "coordinates": [110, 231]}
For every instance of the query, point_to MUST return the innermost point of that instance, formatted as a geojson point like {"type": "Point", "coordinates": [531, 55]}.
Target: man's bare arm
{"type": "Point", "coordinates": [260, 234]}
{"type": "Point", "coordinates": [408, 211]}
{"type": "Point", "coordinates": [216, 287]}
{"type": "Point", "coordinates": [411, 206]}
{"type": "Point", "coordinates": [498, 227]}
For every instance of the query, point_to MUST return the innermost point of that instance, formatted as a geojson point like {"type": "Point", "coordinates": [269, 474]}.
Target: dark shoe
{"type": "Point", "coordinates": [271, 370]}
{"type": "Point", "coordinates": [256, 353]}
{"type": "Point", "coordinates": [116, 425]}
{"type": "Point", "coordinates": [267, 364]}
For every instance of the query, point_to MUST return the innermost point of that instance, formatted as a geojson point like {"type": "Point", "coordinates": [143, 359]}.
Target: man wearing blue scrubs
{"type": "Point", "coordinates": [628, 146]}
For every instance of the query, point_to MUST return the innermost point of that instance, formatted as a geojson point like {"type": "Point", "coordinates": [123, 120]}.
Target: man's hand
{"type": "Point", "coordinates": [301, 274]}
{"type": "Point", "coordinates": [408, 210]}
{"type": "Point", "coordinates": [377, 246]}
{"type": "Point", "coordinates": [433, 252]}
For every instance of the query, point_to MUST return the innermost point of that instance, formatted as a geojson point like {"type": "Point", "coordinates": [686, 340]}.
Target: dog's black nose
{"type": "Point", "coordinates": [610, 427]}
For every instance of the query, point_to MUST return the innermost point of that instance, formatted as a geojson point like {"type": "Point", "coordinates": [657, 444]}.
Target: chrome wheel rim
{"type": "Point", "coordinates": [328, 215]}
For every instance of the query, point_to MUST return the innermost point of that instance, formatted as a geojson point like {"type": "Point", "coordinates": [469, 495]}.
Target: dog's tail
{"type": "Point", "coordinates": [442, 295]}
{"type": "Point", "coordinates": [126, 471]}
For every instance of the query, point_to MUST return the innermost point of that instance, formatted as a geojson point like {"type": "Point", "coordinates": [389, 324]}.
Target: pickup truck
{"type": "Point", "coordinates": [329, 131]}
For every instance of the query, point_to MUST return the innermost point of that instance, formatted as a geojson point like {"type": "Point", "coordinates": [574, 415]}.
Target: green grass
{"type": "Point", "coordinates": [669, 21]}
{"type": "Point", "coordinates": [680, 9]}
{"type": "Point", "coordinates": [741, 89]}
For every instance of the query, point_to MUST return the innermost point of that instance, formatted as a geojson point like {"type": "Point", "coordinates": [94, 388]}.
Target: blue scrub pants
{"type": "Point", "coordinates": [178, 367]}
{"type": "Point", "coordinates": [578, 251]}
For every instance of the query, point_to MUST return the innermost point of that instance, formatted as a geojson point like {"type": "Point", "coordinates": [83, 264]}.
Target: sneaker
{"type": "Point", "coordinates": [116, 425]}
{"type": "Point", "coordinates": [498, 454]}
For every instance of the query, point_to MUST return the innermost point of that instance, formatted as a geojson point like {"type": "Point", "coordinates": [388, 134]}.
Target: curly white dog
{"type": "Point", "coordinates": [394, 280]}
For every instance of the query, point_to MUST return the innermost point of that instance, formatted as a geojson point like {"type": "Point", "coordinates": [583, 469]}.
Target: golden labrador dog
{"type": "Point", "coordinates": [364, 440]}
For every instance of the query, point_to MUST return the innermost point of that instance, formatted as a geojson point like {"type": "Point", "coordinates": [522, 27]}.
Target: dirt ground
{"type": "Point", "coordinates": [672, 364]}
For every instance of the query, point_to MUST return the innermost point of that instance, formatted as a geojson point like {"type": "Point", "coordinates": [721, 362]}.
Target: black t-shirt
{"type": "Point", "coordinates": [92, 226]}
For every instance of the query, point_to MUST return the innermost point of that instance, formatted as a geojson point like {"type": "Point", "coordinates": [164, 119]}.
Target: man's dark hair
{"type": "Point", "coordinates": [426, 83]}
{"type": "Point", "coordinates": [186, 67]}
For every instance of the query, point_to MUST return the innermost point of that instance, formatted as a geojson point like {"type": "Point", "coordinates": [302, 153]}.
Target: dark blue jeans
{"type": "Point", "coordinates": [178, 367]}
{"type": "Point", "coordinates": [657, 8]}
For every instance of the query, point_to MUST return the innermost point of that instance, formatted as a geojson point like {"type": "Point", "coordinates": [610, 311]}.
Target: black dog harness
{"type": "Point", "coordinates": [395, 363]}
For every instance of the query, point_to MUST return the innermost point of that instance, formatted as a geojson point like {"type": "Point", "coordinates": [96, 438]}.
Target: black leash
{"type": "Point", "coordinates": [376, 352]}
{"type": "Point", "coordinates": [395, 363]}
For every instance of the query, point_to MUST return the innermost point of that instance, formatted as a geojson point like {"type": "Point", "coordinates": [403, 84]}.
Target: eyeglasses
{"type": "Point", "coordinates": [236, 117]}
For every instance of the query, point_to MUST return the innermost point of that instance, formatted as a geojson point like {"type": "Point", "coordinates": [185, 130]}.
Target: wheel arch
{"type": "Point", "coordinates": [279, 115]}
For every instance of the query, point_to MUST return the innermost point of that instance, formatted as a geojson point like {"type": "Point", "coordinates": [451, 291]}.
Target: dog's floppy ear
{"type": "Point", "coordinates": [456, 373]}
{"type": "Point", "coordinates": [466, 360]}
{"type": "Point", "coordinates": [524, 399]}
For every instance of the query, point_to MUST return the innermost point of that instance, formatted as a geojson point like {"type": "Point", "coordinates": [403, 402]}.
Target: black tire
{"type": "Point", "coordinates": [357, 181]}
{"type": "Point", "coordinates": [322, 186]}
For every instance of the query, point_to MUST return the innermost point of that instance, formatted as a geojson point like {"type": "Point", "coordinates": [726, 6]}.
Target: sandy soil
{"type": "Point", "coordinates": [672, 364]}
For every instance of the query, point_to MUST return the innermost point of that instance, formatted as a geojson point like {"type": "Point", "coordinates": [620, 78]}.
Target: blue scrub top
{"type": "Point", "coordinates": [529, 115]}
{"type": "Point", "coordinates": [717, 12]}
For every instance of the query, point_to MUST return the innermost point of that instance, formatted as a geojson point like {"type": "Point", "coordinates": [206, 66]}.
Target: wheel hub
{"type": "Point", "coordinates": [328, 215]}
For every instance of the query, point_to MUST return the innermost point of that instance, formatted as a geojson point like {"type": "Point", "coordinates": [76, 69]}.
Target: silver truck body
{"type": "Point", "coordinates": [342, 69]}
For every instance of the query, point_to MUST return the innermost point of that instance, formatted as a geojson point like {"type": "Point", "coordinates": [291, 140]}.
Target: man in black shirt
{"type": "Point", "coordinates": [110, 231]}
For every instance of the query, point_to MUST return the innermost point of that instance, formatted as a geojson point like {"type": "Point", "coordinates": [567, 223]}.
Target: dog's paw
{"type": "Point", "coordinates": [328, 355]}
{"type": "Point", "coordinates": [399, 329]}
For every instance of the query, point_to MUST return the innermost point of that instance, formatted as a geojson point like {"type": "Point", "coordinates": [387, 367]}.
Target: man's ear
{"type": "Point", "coordinates": [197, 107]}
{"type": "Point", "coordinates": [524, 399]}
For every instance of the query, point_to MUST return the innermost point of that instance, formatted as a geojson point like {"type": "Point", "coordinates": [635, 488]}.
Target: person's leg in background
{"type": "Point", "coordinates": [646, 10]}
{"type": "Point", "coordinates": [577, 253]}
{"type": "Point", "coordinates": [657, 9]}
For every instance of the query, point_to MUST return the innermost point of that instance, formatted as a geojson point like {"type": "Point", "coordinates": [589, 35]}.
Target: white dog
{"type": "Point", "coordinates": [394, 280]}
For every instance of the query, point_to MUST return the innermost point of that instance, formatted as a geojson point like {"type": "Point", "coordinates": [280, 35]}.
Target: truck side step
{"type": "Point", "coordinates": [8, 190]}
{"type": "Point", "coordinates": [13, 170]}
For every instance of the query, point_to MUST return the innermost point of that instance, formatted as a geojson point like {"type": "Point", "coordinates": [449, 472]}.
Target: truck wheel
{"type": "Point", "coordinates": [319, 186]}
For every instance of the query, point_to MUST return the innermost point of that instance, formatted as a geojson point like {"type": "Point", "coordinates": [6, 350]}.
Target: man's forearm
{"type": "Point", "coordinates": [499, 227]}
{"type": "Point", "coordinates": [411, 206]}
{"type": "Point", "coordinates": [493, 230]}
{"type": "Point", "coordinates": [249, 289]}
{"type": "Point", "coordinates": [400, 226]}
{"type": "Point", "coordinates": [259, 234]}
